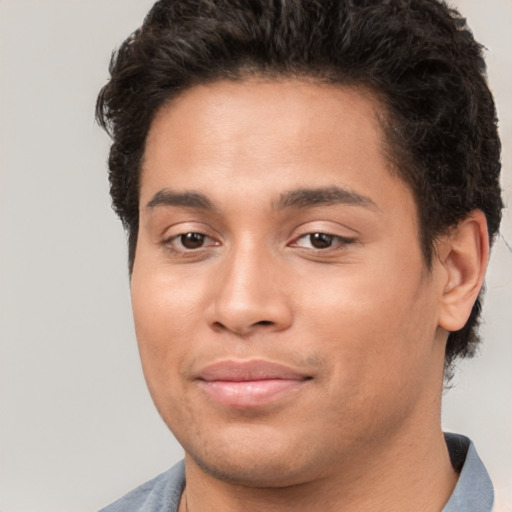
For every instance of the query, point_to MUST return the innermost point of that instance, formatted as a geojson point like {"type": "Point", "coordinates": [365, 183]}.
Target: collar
{"type": "Point", "coordinates": [474, 489]}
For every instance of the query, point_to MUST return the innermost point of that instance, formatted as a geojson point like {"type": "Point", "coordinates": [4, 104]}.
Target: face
{"type": "Point", "coordinates": [286, 322]}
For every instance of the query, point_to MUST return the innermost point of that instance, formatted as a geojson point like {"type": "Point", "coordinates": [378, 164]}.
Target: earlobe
{"type": "Point", "coordinates": [463, 254]}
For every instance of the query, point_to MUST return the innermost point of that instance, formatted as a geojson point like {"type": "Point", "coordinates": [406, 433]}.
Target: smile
{"type": "Point", "coordinates": [249, 383]}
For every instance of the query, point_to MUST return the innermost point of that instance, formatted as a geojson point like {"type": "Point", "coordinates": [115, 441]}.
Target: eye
{"type": "Point", "coordinates": [190, 241]}
{"type": "Point", "coordinates": [321, 241]}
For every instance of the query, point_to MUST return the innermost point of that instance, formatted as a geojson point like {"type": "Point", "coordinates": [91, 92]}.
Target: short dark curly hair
{"type": "Point", "coordinates": [417, 56]}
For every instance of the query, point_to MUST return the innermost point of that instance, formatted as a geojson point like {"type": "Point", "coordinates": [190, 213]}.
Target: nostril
{"type": "Point", "coordinates": [218, 326]}
{"type": "Point", "coordinates": [264, 322]}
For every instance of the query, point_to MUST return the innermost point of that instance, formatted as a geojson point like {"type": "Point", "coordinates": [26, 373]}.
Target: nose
{"type": "Point", "coordinates": [249, 294]}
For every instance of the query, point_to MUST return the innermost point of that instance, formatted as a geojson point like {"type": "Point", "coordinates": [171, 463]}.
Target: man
{"type": "Point", "coordinates": [310, 190]}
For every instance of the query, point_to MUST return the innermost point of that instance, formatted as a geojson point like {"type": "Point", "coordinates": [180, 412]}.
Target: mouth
{"type": "Point", "coordinates": [245, 384]}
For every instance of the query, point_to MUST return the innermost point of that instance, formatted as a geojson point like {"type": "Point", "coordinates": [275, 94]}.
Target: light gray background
{"type": "Point", "coordinates": [77, 425]}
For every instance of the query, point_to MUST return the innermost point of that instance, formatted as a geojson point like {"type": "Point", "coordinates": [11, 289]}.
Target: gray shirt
{"type": "Point", "coordinates": [473, 492]}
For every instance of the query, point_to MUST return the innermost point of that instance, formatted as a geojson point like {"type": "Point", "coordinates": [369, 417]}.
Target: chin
{"type": "Point", "coordinates": [261, 473]}
{"type": "Point", "coordinates": [254, 460]}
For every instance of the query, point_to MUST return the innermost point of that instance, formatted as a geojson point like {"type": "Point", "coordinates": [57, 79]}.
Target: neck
{"type": "Point", "coordinates": [409, 473]}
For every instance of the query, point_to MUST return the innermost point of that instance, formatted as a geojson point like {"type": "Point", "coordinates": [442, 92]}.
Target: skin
{"type": "Point", "coordinates": [361, 318]}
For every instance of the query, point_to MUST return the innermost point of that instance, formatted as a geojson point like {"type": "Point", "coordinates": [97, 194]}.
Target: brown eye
{"type": "Point", "coordinates": [321, 240]}
{"type": "Point", "coordinates": [192, 240]}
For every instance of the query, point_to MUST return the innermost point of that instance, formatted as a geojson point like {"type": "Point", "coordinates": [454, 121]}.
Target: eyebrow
{"type": "Point", "coordinates": [299, 198]}
{"type": "Point", "coordinates": [167, 197]}
{"type": "Point", "coordinates": [308, 198]}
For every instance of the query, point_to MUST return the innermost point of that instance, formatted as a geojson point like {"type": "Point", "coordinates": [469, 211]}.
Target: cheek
{"type": "Point", "coordinates": [165, 316]}
{"type": "Point", "coordinates": [164, 301]}
{"type": "Point", "coordinates": [379, 322]}
{"type": "Point", "coordinates": [377, 350]}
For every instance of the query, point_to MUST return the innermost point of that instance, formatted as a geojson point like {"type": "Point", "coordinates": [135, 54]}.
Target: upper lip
{"type": "Point", "coordinates": [249, 370]}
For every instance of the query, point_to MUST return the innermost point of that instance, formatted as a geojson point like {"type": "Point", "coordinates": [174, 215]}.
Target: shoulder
{"type": "Point", "coordinates": [161, 494]}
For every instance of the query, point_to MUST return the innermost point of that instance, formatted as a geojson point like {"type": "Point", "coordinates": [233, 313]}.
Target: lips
{"type": "Point", "coordinates": [249, 383]}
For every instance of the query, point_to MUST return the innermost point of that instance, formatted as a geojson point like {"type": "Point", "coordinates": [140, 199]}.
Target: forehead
{"type": "Point", "coordinates": [268, 120]}
{"type": "Point", "coordinates": [253, 137]}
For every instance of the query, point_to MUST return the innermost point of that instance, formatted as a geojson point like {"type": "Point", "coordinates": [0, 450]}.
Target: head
{"type": "Point", "coordinates": [302, 183]}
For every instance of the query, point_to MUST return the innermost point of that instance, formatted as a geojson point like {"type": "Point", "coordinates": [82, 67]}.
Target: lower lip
{"type": "Point", "coordinates": [250, 393]}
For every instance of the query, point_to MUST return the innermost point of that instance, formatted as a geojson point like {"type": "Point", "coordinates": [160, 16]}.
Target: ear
{"type": "Point", "coordinates": [463, 255]}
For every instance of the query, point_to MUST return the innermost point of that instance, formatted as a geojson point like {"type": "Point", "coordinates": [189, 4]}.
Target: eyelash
{"type": "Point", "coordinates": [178, 239]}
{"type": "Point", "coordinates": [335, 241]}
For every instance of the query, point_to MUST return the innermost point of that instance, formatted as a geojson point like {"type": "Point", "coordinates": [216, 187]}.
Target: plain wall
{"type": "Point", "coordinates": [77, 426]}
